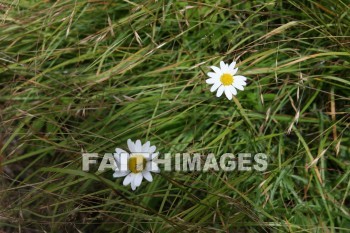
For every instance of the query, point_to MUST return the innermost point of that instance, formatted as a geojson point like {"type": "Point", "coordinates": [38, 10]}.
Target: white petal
{"type": "Point", "coordinates": [227, 70]}
{"type": "Point", "coordinates": [138, 146]}
{"type": "Point", "coordinates": [118, 174]}
{"type": "Point", "coordinates": [155, 168]}
{"type": "Point", "coordinates": [117, 159]}
{"type": "Point", "coordinates": [138, 179]}
{"type": "Point", "coordinates": [211, 80]}
{"type": "Point", "coordinates": [146, 155]}
{"type": "Point", "coordinates": [154, 155]}
{"type": "Point", "coordinates": [240, 82]}
{"type": "Point", "coordinates": [133, 186]}
{"type": "Point", "coordinates": [131, 145]}
{"type": "Point", "coordinates": [228, 93]}
{"type": "Point", "coordinates": [118, 150]}
{"type": "Point", "coordinates": [119, 153]}
{"type": "Point", "coordinates": [152, 167]}
{"type": "Point", "coordinates": [145, 147]}
{"type": "Point", "coordinates": [147, 175]}
{"type": "Point", "coordinates": [152, 149]}
{"type": "Point", "coordinates": [238, 86]}
{"type": "Point", "coordinates": [217, 70]}
{"type": "Point", "coordinates": [220, 91]}
{"type": "Point", "coordinates": [215, 86]}
{"type": "Point", "coordinates": [122, 160]}
{"type": "Point", "coordinates": [232, 65]}
{"type": "Point", "coordinates": [222, 66]}
{"type": "Point", "coordinates": [212, 75]}
{"type": "Point", "coordinates": [233, 90]}
{"type": "Point", "coordinates": [240, 77]}
{"type": "Point", "coordinates": [128, 179]}
{"type": "Point", "coordinates": [233, 72]}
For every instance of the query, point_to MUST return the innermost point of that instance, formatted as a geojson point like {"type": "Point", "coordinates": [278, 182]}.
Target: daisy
{"type": "Point", "coordinates": [135, 164]}
{"type": "Point", "coordinates": [225, 80]}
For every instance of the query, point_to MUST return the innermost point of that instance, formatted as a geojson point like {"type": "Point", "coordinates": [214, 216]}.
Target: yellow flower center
{"type": "Point", "coordinates": [137, 163]}
{"type": "Point", "coordinates": [226, 79]}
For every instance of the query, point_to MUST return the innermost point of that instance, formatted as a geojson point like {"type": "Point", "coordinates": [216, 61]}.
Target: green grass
{"type": "Point", "coordinates": [84, 76]}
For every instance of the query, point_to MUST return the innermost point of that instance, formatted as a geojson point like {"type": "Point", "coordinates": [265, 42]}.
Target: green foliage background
{"type": "Point", "coordinates": [84, 76]}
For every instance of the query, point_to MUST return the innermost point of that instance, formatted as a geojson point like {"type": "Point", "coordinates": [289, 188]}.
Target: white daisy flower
{"type": "Point", "coordinates": [225, 80]}
{"type": "Point", "coordinates": [137, 163]}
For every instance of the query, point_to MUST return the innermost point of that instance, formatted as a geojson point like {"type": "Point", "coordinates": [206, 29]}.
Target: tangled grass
{"type": "Point", "coordinates": [84, 76]}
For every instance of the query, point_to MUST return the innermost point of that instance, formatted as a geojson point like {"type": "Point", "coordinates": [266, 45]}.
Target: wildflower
{"type": "Point", "coordinates": [138, 164]}
{"type": "Point", "coordinates": [225, 80]}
